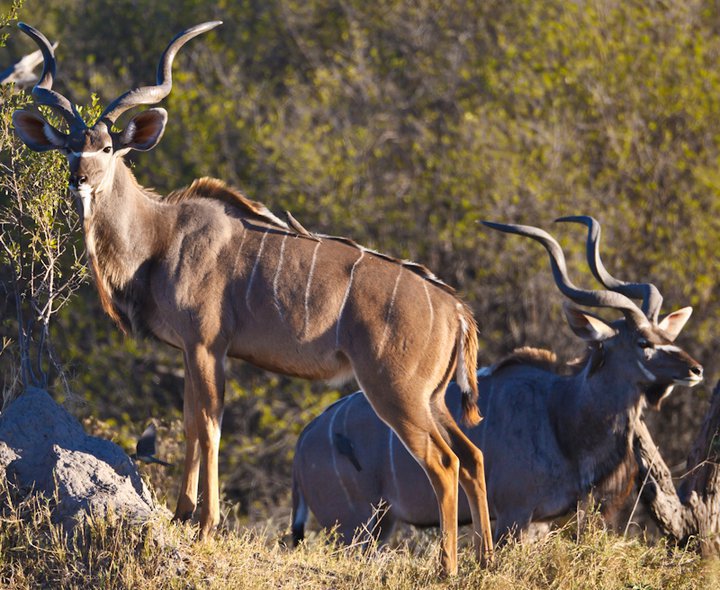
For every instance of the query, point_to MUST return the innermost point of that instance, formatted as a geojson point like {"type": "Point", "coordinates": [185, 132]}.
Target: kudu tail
{"type": "Point", "coordinates": [299, 510]}
{"type": "Point", "coordinates": [466, 370]}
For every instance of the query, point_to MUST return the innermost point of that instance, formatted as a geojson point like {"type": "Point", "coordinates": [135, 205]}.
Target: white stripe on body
{"type": "Point", "coordinates": [333, 452]}
{"type": "Point", "coordinates": [277, 276]}
{"type": "Point", "coordinates": [430, 305]}
{"type": "Point", "coordinates": [347, 295]}
{"type": "Point", "coordinates": [307, 291]}
{"type": "Point", "coordinates": [254, 270]}
{"type": "Point", "coordinates": [240, 249]}
{"type": "Point", "coordinates": [484, 371]}
{"type": "Point", "coordinates": [383, 340]}
{"type": "Point", "coordinates": [345, 428]}
{"type": "Point", "coordinates": [393, 470]}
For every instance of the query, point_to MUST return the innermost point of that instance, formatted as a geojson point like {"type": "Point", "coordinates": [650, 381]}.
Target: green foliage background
{"type": "Point", "coordinates": [402, 124]}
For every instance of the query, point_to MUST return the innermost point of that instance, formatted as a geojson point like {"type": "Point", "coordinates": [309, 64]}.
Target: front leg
{"type": "Point", "coordinates": [204, 370]}
{"type": "Point", "coordinates": [187, 498]}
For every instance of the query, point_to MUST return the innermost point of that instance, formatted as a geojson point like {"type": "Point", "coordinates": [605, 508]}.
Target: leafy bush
{"type": "Point", "coordinates": [402, 124]}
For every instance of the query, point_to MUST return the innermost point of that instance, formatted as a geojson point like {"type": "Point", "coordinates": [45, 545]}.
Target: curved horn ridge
{"type": "Point", "coordinates": [163, 86]}
{"type": "Point", "coordinates": [646, 292]}
{"type": "Point", "coordinates": [595, 298]}
{"type": "Point", "coordinates": [42, 91]}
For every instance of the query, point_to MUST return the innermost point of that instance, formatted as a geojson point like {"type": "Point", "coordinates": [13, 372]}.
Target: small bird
{"type": "Point", "coordinates": [145, 449]}
{"type": "Point", "coordinates": [298, 228]}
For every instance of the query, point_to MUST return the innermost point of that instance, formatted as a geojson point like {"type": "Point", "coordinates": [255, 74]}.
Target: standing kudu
{"type": "Point", "coordinates": [215, 274]}
{"type": "Point", "coordinates": [549, 439]}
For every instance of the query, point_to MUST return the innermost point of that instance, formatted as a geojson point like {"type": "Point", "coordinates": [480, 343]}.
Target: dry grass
{"type": "Point", "coordinates": [112, 554]}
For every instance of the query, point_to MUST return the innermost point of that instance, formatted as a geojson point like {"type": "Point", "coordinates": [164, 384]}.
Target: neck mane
{"type": "Point", "coordinates": [212, 188]}
{"type": "Point", "coordinates": [527, 355]}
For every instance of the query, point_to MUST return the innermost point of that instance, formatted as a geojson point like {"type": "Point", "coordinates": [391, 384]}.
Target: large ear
{"type": "Point", "coordinates": [36, 133]}
{"type": "Point", "coordinates": [586, 325]}
{"type": "Point", "coordinates": [673, 323]}
{"type": "Point", "coordinates": [144, 130]}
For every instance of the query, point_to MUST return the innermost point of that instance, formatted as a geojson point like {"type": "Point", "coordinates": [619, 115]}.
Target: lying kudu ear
{"type": "Point", "coordinates": [586, 325]}
{"type": "Point", "coordinates": [36, 133]}
{"type": "Point", "coordinates": [673, 323]}
{"type": "Point", "coordinates": [144, 131]}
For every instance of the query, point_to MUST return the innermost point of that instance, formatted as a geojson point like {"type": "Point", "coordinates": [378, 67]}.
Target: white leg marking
{"type": "Point", "coordinates": [347, 294]}
{"type": "Point", "coordinates": [383, 340]}
{"type": "Point", "coordinates": [307, 290]}
{"type": "Point", "coordinates": [301, 515]}
{"type": "Point", "coordinates": [254, 269]}
{"type": "Point", "coordinates": [277, 276]}
{"type": "Point", "coordinates": [333, 453]}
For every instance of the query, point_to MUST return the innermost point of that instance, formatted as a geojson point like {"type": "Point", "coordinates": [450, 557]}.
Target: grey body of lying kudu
{"type": "Point", "coordinates": [549, 439]}
{"type": "Point", "coordinates": [214, 274]}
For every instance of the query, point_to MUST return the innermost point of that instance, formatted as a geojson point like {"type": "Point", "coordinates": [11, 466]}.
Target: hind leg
{"type": "Point", "coordinates": [472, 479]}
{"type": "Point", "coordinates": [420, 434]}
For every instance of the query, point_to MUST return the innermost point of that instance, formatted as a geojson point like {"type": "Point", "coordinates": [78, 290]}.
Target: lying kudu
{"type": "Point", "coordinates": [214, 274]}
{"type": "Point", "coordinates": [549, 439]}
{"type": "Point", "coordinates": [22, 72]}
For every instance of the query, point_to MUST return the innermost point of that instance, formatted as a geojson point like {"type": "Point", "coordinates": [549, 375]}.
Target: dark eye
{"type": "Point", "coordinates": [107, 149]}
{"type": "Point", "coordinates": [644, 343]}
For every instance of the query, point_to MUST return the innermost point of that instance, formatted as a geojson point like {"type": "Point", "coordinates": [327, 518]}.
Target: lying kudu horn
{"type": "Point", "coordinates": [646, 292]}
{"type": "Point", "coordinates": [589, 298]}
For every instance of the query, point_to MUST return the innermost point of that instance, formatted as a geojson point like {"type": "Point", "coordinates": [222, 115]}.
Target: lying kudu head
{"type": "Point", "coordinates": [664, 367]}
{"type": "Point", "coordinates": [93, 152]}
{"type": "Point", "coordinates": [639, 347]}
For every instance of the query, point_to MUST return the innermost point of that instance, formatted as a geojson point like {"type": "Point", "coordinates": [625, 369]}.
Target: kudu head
{"type": "Point", "coordinates": [93, 151]}
{"type": "Point", "coordinates": [640, 347]}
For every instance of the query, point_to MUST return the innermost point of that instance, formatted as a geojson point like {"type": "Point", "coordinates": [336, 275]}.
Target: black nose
{"type": "Point", "coordinates": [78, 180]}
{"type": "Point", "coordinates": [698, 371]}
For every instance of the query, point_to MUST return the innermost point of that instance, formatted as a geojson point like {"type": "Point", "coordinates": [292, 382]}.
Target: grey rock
{"type": "Point", "coordinates": [45, 449]}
